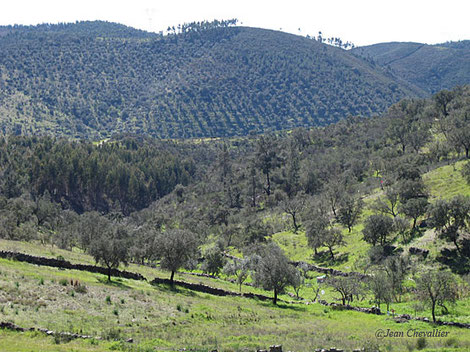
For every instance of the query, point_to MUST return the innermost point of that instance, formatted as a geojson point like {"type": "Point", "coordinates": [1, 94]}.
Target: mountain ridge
{"type": "Point", "coordinates": [430, 67]}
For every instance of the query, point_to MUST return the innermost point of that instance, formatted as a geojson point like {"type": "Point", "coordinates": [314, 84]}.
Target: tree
{"type": "Point", "coordinates": [214, 260]}
{"type": "Point", "coordinates": [293, 207]}
{"type": "Point", "coordinates": [315, 229]}
{"type": "Point", "coordinates": [381, 288]}
{"type": "Point", "coordinates": [111, 247]}
{"type": "Point", "coordinates": [349, 211]}
{"type": "Point", "coordinates": [419, 135]}
{"type": "Point", "coordinates": [442, 100]}
{"type": "Point", "coordinates": [347, 287]}
{"type": "Point", "coordinates": [334, 193]}
{"type": "Point", "coordinates": [396, 268]}
{"type": "Point", "coordinates": [331, 238]}
{"type": "Point", "coordinates": [414, 208]}
{"type": "Point", "coordinates": [450, 218]}
{"type": "Point", "coordinates": [267, 158]}
{"type": "Point", "coordinates": [388, 204]}
{"type": "Point", "coordinates": [91, 226]}
{"type": "Point", "coordinates": [240, 269]}
{"type": "Point", "coordinates": [458, 132]}
{"type": "Point", "coordinates": [377, 228]}
{"type": "Point", "coordinates": [175, 248]}
{"type": "Point", "coordinates": [273, 271]}
{"type": "Point", "coordinates": [436, 288]}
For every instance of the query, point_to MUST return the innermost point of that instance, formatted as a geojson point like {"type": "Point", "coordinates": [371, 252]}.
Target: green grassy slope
{"type": "Point", "coordinates": [158, 318]}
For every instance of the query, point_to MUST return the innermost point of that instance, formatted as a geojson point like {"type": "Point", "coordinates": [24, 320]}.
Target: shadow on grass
{"type": "Point", "coordinates": [324, 258]}
{"type": "Point", "coordinates": [115, 282]}
{"type": "Point", "coordinates": [458, 263]}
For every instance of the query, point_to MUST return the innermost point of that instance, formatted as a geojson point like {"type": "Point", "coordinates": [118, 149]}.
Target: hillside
{"type": "Point", "coordinates": [430, 67]}
{"type": "Point", "coordinates": [223, 241]}
{"type": "Point", "coordinates": [96, 79]}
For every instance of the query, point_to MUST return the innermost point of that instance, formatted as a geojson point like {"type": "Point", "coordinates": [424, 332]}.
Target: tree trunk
{"type": "Point", "coordinates": [275, 297]}
{"type": "Point", "coordinates": [109, 274]}
{"type": "Point", "coordinates": [268, 184]}
{"type": "Point", "coordinates": [456, 245]}
{"type": "Point", "coordinates": [296, 227]}
{"type": "Point", "coordinates": [433, 311]}
{"type": "Point", "coordinates": [253, 193]}
{"type": "Point", "coordinates": [331, 253]}
{"type": "Point", "coordinates": [171, 278]}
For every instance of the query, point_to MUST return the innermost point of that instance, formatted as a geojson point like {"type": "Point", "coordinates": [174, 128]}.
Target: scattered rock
{"type": "Point", "coordinates": [275, 348]}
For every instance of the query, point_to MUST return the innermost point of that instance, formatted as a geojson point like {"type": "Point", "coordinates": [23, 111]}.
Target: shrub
{"type": "Point", "coordinates": [80, 288]}
{"type": "Point", "coordinates": [421, 343]}
{"type": "Point", "coordinates": [63, 282]}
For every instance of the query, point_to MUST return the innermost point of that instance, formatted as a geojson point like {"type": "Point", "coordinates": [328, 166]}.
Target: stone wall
{"type": "Point", "coordinates": [403, 318]}
{"type": "Point", "coordinates": [64, 264]}
{"type": "Point", "coordinates": [208, 289]}
{"type": "Point", "coordinates": [330, 271]}
{"type": "Point", "coordinates": [372, 310]}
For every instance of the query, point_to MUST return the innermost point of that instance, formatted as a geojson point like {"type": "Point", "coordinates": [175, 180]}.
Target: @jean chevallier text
{"type": "Point", "coordinates": [389, 333]}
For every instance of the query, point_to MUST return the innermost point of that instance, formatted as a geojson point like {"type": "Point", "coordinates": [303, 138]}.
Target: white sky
{"type": "Point", "coordinates": [359, 21]}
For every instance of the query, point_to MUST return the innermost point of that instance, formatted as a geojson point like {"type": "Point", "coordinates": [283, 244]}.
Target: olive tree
{"type": "Point", "coordinates": [240, 269]}
{"type": "Point", "coordinates": [273, 271]}
{"type": "Point", "coordinates": [110, 248]}
{"type": "Point", "coordinates": [175, 248]}
{"type": "Point", "coordinates": [347, 287]}
{"type": "Point", "coordinates": [436, 288]}
{"type": "Point", "coordinates": [377, 228]}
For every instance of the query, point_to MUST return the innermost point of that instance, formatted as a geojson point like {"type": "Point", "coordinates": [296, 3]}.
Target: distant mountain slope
{"type": "Point", "coordinates": [430, 67]}
{"type": "Point", "coordinates": [93, 79]}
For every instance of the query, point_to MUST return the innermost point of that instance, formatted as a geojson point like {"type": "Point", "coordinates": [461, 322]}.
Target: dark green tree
{"type": "Point", "coordinates": [377, 229]}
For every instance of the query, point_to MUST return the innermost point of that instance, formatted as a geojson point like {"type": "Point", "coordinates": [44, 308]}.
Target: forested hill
{"type": "Point", "coordinates": [95, 79]}
{"type": "Point", "coordinates": [430, 67]}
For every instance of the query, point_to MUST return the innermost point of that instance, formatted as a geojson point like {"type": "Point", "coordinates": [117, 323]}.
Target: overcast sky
{"type": "Point", "coordinates": [359, 21]}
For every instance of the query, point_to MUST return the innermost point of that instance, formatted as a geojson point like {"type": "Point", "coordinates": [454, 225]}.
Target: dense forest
{"type": "Point", "coordinates": [96, 79]}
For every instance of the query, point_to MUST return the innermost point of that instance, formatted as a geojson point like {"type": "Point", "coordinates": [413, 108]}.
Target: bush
{"type": "Point", "coordinates": [80, 288]}
{"type": "Point", "coordinates": [63, 282]}
{"type": "Point", "coordinates": [421, 343]}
